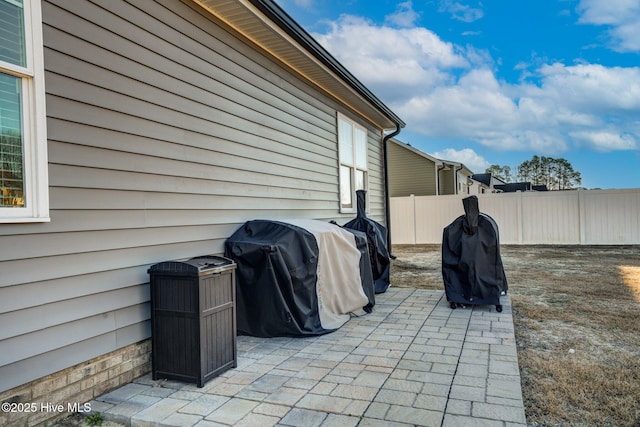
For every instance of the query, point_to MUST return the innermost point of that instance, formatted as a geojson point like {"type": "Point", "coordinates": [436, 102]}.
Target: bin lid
{"type": "Point", "coordinates": [205, 264]}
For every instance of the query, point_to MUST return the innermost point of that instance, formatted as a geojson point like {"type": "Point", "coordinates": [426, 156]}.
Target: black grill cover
{"type": "Point", "coordinates": [471, 264]}
{"type": "Point", "coordinates": [377, 240]}
{"type": "Point", "coordinates": [277, 276]}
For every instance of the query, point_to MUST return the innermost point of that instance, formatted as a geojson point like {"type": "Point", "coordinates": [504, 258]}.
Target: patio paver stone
{"type": "Point", "coordinates": [411, 362]}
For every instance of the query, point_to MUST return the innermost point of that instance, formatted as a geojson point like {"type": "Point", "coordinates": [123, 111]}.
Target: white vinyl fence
{"type": "Point", "coordinates": [598, 217]}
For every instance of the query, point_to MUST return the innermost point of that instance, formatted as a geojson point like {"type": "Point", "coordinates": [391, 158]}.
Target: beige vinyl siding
{"type": "Point", "coordinates": [166, 132]}
{"type": "Point", "coordinates": [410, 173]}
{"type": "Point", "coordinates": [448, 182]}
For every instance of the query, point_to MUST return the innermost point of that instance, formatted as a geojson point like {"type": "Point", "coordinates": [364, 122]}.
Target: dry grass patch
{"type": "Point", "coordinates": [577, 322]}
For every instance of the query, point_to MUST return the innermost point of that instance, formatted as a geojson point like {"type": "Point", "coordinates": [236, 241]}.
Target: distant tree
{"type": "Point", "coordinates": [500, 172]}
{"type": "Point", "coordinates": [566, 177]}
{"type": "Point", "coordinates": [531, 170]}
{"type": "Point", "coordinates": [556, 174]}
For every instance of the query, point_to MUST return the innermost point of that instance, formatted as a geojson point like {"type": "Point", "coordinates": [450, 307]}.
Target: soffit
{"type": "Point", "coordinates": [247, 20]}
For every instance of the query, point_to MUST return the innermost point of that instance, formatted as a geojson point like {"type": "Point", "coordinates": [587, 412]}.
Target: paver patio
{"type": "Point", "coordinates": [412, 361]}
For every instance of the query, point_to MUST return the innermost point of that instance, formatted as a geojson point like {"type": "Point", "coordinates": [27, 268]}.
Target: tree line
{"type": "Point", "coordinates": [556, 174]}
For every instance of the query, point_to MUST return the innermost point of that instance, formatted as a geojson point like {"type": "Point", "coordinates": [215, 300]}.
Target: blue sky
{"type": "Point", "coordinates": [497, 81]}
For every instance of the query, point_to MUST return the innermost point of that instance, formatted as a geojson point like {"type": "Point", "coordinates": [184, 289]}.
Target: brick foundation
{"type": "Point", "coordinates": [74, 386]}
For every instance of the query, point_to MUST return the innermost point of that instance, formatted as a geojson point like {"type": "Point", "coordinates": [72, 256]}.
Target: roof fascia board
{"type": "Point", "coordinates": [302, 37]}
{"type": "Point", "coordinates": [462, 167]}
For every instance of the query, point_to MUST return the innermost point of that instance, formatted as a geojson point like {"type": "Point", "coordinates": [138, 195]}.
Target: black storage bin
{"type": "Point", "coordinates": [193, 318]}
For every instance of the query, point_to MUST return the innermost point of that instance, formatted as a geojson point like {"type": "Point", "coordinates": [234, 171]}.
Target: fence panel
{"type": "Point", "coordinates": [403, 227]}
{"type": "Point", "coordinates": [554, 217]}
{"type": "Point", "coordinates": [433, 215]}
{"type": "Point", "coordinates": [612, 216]}
{"type": "Point", "coordinates": [551, 217]}
{"type": "Point", "coordinates": [507, 212]}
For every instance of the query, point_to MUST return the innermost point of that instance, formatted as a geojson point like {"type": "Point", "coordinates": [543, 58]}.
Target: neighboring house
{"type": "Point", "coordinates": [412, 171]}
{"type": "Point", "coordinates": [487, 183]}
{"type": "Point", "coordinates": [484, 183]}
{"type": "Point", "coordinates": [168, 124]}
{"type": "Point", "coordinates": [454, 178]}
{"type": "Point", "coordinates": [513, 187]}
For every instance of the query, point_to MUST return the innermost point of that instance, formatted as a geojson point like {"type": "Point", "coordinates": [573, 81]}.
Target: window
{"type": "Point", "coordinates": [23, 141]}
{"type": "Point", "coordinates": [352, 148]}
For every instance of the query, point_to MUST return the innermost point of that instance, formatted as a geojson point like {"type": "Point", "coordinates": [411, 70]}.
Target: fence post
{"type": "Point", "coordinates": [582, 229]}
{"type": "Point", "coordinates": [520, 220]}
{"type": "Point", "coordinates": [415, 217]}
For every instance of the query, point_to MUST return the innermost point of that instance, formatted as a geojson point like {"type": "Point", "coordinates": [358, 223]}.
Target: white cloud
{"type": "Point", "coordinates": [447, 91]}
{"type": "Point", "coordinates": [393, 61]}
{"type": "Point", "coordinates": [611, 12]}
{"type": "Point", "coordinates": [572, 104]}
{"type": "Point", "coordinates": [467, 156]}
{"type": "Point", "coordinates": [404, 16]}
{"type": "Point", "coordinates": [606, 141]}
{"type": "Point", "coordinates": [592, 87]}
{"type": "Point", "coordinates": [622, 16]}
{"type": "Point", "coordinates": [461, 12]}
{"type": "Point", "coordinates": [473, 104]}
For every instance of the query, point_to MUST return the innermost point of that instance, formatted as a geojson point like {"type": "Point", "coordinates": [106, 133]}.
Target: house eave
{"type": "Point", "coordinates": [269, 27]}
{"type": "Point", "coordinates": [460, 167]}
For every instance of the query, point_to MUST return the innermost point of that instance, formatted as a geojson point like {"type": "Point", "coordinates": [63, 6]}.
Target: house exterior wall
{"type": "Point", "coordinates": [165, 133]}
{"type": "Point", "coordinates": [478, 188]}
{"type": "Point", "coordinates": [73, 387]}
{"type": "Point", "coordinates": [447, 182]}
{"type": "Point", "coordinates": [463, 183]}
{"type": "Point", "coordinates": [410, 173]}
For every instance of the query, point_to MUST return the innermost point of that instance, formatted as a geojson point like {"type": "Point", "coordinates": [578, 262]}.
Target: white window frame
{"type": "Point", "coordinates": [34, 122]}
{"type": "Point", "coordinates": [343, 161]}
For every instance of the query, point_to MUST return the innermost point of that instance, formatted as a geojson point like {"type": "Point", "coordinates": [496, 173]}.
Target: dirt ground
{"type": "Point", "coordinates": [577, 322]}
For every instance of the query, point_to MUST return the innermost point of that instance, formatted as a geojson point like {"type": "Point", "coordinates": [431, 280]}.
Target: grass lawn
{"type": "Point", "coordinates": [576, 314]}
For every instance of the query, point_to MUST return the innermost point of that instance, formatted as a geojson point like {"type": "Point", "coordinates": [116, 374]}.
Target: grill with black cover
{"type": "Point", "coordinates": [471, 263]}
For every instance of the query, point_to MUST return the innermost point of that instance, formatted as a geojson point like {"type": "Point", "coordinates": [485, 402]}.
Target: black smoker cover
{"type": "Point", "coordinates": [377, 240]}
{"type": "Point", "coordinates": [471, 264]}
{"type": "Point", "coordinates": [278, 282]}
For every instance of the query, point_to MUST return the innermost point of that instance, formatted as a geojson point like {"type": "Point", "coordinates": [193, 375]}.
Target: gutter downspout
{"type": "Point", "coordinates": [438, 170]}
{"type": "Point", "coordinates": [387, 209]}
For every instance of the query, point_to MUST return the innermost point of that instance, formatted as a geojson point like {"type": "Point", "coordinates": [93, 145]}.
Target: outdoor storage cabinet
{"type": "Point", "coordinates": [193, 318]}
